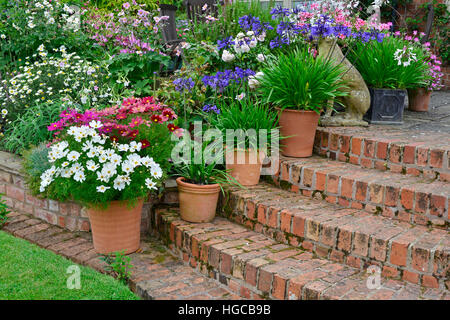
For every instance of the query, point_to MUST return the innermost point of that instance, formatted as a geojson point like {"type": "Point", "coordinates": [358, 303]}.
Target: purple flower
{"type": "Point", "coordinates": [222, 79]}
{"type": "Point", "coordinates": [225, 43]}
{"type": "Point", "coordinates": [254, 24]}
{"type": "Point", "coordinates": [209, 108]}
{"type": "Point", "coordinates": [182, 84]}
{"type": "Point", "coordinates": [280, 12]}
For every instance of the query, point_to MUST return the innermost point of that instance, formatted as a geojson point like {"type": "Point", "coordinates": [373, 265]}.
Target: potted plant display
{"type": "Point", "coordinates": [199, 184]}
{"type": "Point", "coordinates": [109, 161]}
{"type": "Point", "coordinates": [419, 96]}
{"type": "Point", "coordinates": [389, 68]}
{"type": "Point", "coordinates": [299, 86]}
{"type": "Point", "coordinates": [246, 120]}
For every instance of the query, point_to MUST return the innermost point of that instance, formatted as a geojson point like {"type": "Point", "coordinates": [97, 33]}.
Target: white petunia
{"type": "Point", "coordinates": [73, 156]}
{"type": "Point", "coordinates": [91, 165]}
{"type": "Point", "coordinates": [79, 176]}
{"type": "Point", "coordinates": [156, 171]}
{"type": "Point", "coordinates": [127, 167]}
{"type": "Point", "coordinates": [119, 184]}
{"type": "Point", "coordinates": [102, 188]}
{"type": "Point", "coordinates": [135, 146]}
{"type": "Point", "coordinates": [95, 124]}
{"type": "Point", "coordinates": [122, 147]}
{"type": "Point", "coordinates": [150, 184]}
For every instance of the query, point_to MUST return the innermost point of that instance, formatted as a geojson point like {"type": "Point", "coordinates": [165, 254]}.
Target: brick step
{"type": "Point", "coordinates": [387, 148]}
{"type": "Point", "coordinates": [156, 273]}
{"type": "Point", "coordinates": [417, 200]}
{"type": "Point", "coordinates": [256, 266]}
{"type": "Point", "coordinates": [355, 237]}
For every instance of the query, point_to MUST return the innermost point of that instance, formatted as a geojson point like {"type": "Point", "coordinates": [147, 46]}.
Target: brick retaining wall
{"type": "Point", "coordinates": [68, 215]}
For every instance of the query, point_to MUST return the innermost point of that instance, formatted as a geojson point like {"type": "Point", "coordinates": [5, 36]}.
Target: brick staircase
{"type": "Point", "coordinates": [313, 230]}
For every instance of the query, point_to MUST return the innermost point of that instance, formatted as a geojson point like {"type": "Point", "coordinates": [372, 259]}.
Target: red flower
{"type": "Point", "coordinates": [121, 116]}
{"type": "Point", "coordinates": [172, 127]}
{"type": "Point", "coordinates": [133, 134]}
{"type": "Point", "coordinates": [114, 138]}
{"type": "Point", "coordinates": [169, 113]}
{"type": "Point", "coordinates": [156, 118]}
{"type": "Point", "coordinates": [145, 143]}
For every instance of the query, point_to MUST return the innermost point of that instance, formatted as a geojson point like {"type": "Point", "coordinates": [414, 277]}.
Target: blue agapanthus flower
{"type": "Point", "coordinates": [222, 79]}
{"type": "Point", "coordinates": [211, 108]}
{"type": "Point", "coordinates": [280, 12]}
{"type": "Point", "coordinates": [182, 84]}
{"type": "Point", "coordinates": [225, 43]}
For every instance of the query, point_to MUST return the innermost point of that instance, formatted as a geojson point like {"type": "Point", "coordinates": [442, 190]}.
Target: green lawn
{"type": "Point", "coordinates": [29, 272]}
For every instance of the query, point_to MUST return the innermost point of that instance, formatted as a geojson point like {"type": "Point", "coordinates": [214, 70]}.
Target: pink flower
{"type": "Point", "coordinates": [136, 122]}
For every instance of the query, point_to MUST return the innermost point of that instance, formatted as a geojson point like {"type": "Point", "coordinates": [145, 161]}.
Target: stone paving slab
{"type": "Point", "coordinates": [256, 266]}
{"type": "Point", "coordinates": [156, 273]}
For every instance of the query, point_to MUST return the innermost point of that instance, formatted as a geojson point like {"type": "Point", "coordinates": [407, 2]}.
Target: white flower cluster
{"type": "Point", "coordinates": [253, 81]}
{"type": "Point", "coordinates": [68, 77]}
{"type": "Point", "coordinates": [405, 56]}
{"type": "Point", "coordinates": [46, 12]}
{"type": "Point", "coordinates": [109, 167]}
{"type": "Point", "coordinates": [243, 43]}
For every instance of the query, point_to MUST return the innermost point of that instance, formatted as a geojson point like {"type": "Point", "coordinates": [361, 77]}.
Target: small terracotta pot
{"type": "Point", "coordinates": [198, 203]}
{"type": "Point", "coordinates": [300, 126]}
{"type": "Point", "coordinates": [419, 99]}
{"type": "Point", "coordinates": [117, 228]}
{"type": "Point", "coordinates": [245, 165]}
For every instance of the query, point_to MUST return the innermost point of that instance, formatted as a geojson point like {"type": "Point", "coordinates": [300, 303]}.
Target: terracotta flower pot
{"type": "Point", "coordinates": [244, 165]}
{"type": "Point", "coordinates": [419, 99]}
{"type": "Point", "coordinates": [300, 126]}
{"type": "Point", "coordinates": [117, 228]}
{"type": "Point", "coordinates": [198, 203]}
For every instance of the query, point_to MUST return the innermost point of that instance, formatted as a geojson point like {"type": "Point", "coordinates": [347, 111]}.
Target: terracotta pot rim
{"type": "Point", "coordinates": [212, 187]}
{"type": "Point", "coordinates": [296, 111]}
{"type": "Point", "coordinates": [112, 202]}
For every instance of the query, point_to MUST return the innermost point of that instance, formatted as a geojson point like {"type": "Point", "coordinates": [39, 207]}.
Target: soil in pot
{"type": "Point", "coordinates": [419, 99]}
{"type": "Point", "coordinates": [245, 165]}
{"type": "Point", "coordinates": [116, 228]}
{"type": "Point", "coordinates": [198, 203]}
{"type": "Point", "coordinates": [300, 126]}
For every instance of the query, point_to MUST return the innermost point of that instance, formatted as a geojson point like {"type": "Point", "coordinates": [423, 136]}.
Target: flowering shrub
{"type": "Point", "coordinates": [118, 153]}
{"type": "Point", "coordinates": [25, 25]}
{"type": "Point", "coordinates": [131, 30]}
{"type": "Point", "coordinates": [295, 26]}
{"type": "Point", "coordinates": [68, 78]}
{"type": "Point", "coordinates": [132, 38]}
{"type": "Point", "coordinates": [406, 55]}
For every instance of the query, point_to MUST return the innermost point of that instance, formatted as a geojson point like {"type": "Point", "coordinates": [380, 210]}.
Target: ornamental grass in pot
{"type": "Point", "coordinates": [299, 86]}
{"type": "Point", "coordinates": [388, 68]}
{"type": "Point", "coordinates": [200, 182]}
{"type": "Point", "coordinates": [248, 128]}
{"type": "Point", "coordinates": [109, 161]}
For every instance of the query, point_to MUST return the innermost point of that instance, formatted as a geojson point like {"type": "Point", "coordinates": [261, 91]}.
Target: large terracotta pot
{"type": "Point", "coordinates": [198, 203]}
{"type": "Point", "coordinates": [244, 165]}
{"type": "Point", "coordinates": [117, 228]}
{"type": "Point", "coordinates": [300, 126]}
{"type": "Point", "coordinates": [419, 99]}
